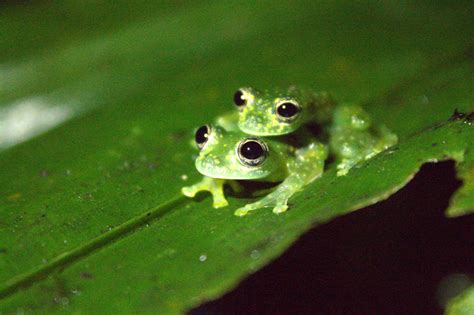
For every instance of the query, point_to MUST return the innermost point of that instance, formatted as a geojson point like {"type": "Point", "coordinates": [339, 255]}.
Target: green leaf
{"type": "Point", "coordinates": [463, 304]}
{"type": "Point", "coordinates": [91, 220]}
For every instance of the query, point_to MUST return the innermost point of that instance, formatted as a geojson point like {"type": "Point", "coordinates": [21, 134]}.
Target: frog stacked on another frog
{"type": "Point", "coordinates": [264, 141]}
{"type": "Point", "coordinates": [352, 136]}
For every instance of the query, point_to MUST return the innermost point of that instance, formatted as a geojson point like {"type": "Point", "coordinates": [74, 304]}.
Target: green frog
{"type": "Point", "coordinates": [351, 134]}
{"type": "Point", "coordinates": [229, 156]}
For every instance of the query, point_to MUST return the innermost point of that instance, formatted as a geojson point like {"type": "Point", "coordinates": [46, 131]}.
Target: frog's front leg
{"type": "Point", "coordinates": [278, 198]}
{"type": "Point", "coordinates": [386, 139]}
{"type": "Point", "coordinates": [214, 185]}
{"type": "Point", "coordinates": [345, 165]}
{"type": "Point", "coordinates": [305, 168]}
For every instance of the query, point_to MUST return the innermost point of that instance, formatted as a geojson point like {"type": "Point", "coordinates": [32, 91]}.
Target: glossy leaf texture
{"type": "Point", "coordinates": [91, 220]}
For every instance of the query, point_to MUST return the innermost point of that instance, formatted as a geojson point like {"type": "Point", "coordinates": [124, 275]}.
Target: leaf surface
{"type": "Point", "coordinates": [90, 214]}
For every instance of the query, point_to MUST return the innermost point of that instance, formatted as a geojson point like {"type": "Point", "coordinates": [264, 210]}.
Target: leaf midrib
{"type": "Point", "coordinates": [69, 257]}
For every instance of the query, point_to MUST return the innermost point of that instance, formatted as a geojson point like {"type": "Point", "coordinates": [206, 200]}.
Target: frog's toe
{"type": "Point", "coordinates": [248, 207]}
{"type": "Point", "coordinates": [188, 192]}
{"type": "Point", "coordinates": [342, 172]}
{"type": "Point", "coordinates": [241, 212]}
{"type": "Point", "coordinates": [280, 208]}
{"type": "Point", "coordinates": [371, 155]}
{"type": "Point", "coordinates": [219, 203]}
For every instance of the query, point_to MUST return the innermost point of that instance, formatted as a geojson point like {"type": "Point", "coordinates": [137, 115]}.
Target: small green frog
{"type": "Point", "coordinates": [352, 136]}
{"type": "Point", "coordinates": [226, 157]}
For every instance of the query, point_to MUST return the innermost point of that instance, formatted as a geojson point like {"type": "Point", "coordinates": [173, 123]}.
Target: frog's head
{"type": "Point", "coordinates": [269, 113]}
{"type": "Point", "coordinates": [235, 155]}
{"type": "Point", "coordinates": [352, 116]}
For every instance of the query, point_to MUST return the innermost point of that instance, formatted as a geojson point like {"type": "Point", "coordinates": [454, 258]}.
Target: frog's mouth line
{"type": "Point", "coordinates": [248, 128]}
{"type": "Point", "coordinates": [224, 174]}
{"type": "Point", "coordinates": [233, 177]}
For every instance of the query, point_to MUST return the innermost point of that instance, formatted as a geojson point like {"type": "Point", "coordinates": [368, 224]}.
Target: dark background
{"type": "Point", "coordinates": [390, 258]}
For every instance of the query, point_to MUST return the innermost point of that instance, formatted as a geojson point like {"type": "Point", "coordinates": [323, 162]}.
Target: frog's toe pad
{"type": "Point", "coordinates": [220, 203]}
{"type": "Point", "coordinates": [280, 209]}
{"type": "Point", "coordinates": [188, 192]}
{"type": "Point", "coordinates": [241, 212]}
{"type": "Point", "coordinates": [342, 172]}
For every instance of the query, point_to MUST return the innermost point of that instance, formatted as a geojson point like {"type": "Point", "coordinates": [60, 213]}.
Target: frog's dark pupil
{"type": "Point", "coordinates": [252, 150]}
{"type": "Point", "coordinates": [202, 135]}
{"type": "Point", "coordinates": [287, 110]}
{"type": "Point", "coordinates": [239, 98]}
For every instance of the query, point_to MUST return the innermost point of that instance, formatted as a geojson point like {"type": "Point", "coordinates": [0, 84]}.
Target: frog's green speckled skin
{"type": "Point", "coordinates": [258, 117]}
{"type": "Point", "coordinates": [354, 138]}
{"type": "Point", "coordinates": [294, 160]}
{"type": "Point", "coordinates": [352, 135]}
{"type": "Point", "coordinates": [219, 163]}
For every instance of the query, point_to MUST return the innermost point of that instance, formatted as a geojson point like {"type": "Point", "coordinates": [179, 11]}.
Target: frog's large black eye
{"type": "Point", "coordinates": [288, 110]}
{"type": "Point", "coordinates": [239, 99]}
{"type": "Point", "coordinates": [202, 136]}
{"type": "Point", "coordinates": [252, 152]}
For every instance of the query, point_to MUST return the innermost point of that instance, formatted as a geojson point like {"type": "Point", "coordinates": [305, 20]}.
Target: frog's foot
{"type": "Point", "coordinates": [219, 201]}
{"type": "Point", "coordinates": [277, 200]}
{"type": "Point", "coordinates": [249, 207]}
{"type": "Point", "coordinates": [387, 138]}
{"type": "Point", "coordinates": [280, 208]}
{"type": "Point", "coordinates": [342, 172]}
{"type": "Point", "coordinates": [241, 212]}
{"type": "Point", "coordinates": [190, 191]}
{"type": "Point", "coordinates": [213, 185]}
{"type": "Point", "coordinates": [344, 166]}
